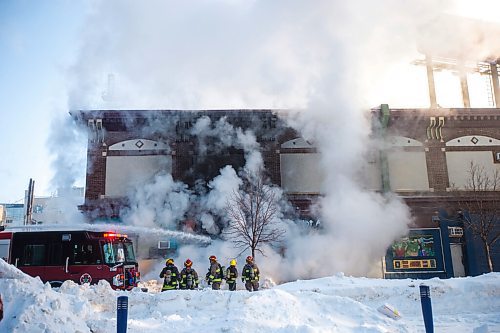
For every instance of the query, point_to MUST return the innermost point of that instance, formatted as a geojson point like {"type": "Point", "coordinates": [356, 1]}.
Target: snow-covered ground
{"type": "Point", "coordinates": [331, 304]}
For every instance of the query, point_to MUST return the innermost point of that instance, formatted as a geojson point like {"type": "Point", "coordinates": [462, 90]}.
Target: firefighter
{"type": "Point", "coordinates": [170, 275]}
{"type": "Point", "coordinates": [232, 275]}
{"type": "Point", "coordinates": [215, 274]}
{"type": "Point", "coordinates": [189, 277]}
{"type": "Point", "coordinates": [250, 275]}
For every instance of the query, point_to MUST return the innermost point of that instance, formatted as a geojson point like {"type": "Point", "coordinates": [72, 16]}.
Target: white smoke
{"type": "Point", "coordinates": [209, 224]}
{"type": "Point", "coordinates": [221, 187]}
{"type": "Point", "coordinates": [224, 135]}
{"type": "Point", "coordinates": [67, 142]}
{"type": "Point", "coordinates": [328, 59]}
{"type": "Point", "coordinates": [162, 202]}
{"type": "Point", "coordinates": [254, 162]}
{"type": "Point", "coordinates": [203, 129]}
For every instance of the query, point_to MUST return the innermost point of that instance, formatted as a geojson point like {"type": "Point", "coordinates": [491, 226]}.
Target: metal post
{"type": "Point", "coordinates": [430, 81]}
{"type": "Point", "coordinates": [425, 300]}
{"type": "Point", "coordinates": [28, 203]}
{"type": "Point", "coordinates": [463, 83]}
{"type": "Point", "coordinates": [385, 115]}
{"type": "Point", "coordinates": [494, 81]}
{"type": "Point", "coordinates": [121, 314]}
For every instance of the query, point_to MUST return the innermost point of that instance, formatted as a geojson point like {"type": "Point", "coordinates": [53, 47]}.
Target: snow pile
{"type": "Point", "coordinates": [31, 306]}
{"type": "Point", "coordinates": [330, 304]}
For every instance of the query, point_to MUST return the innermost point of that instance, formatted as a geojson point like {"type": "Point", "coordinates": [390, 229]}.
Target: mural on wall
{"type": "Point", "coordinates": [420, 251]}
{"type": "Point", "coordinates": [414, 246]}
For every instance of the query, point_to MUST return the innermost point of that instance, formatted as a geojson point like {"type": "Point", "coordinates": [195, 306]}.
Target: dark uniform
{"type": "Point", "coordinates": [250, 275]}
{"type": "Point", "coordinates": [170, 275]}
{"type": "Point", "coordinates": [189, 277]}
{"type": "Point", "coordinates": [232, 275]}
{"type": "Point", "coordinates": [214, 275]}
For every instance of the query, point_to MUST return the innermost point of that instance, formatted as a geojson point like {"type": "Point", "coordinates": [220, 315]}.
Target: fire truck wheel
{"type": "Point", "coordinates": [55, 284]}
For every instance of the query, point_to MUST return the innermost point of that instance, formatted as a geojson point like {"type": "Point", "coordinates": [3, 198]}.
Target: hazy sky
{"type": "Point", "coordinates": [40, 42]}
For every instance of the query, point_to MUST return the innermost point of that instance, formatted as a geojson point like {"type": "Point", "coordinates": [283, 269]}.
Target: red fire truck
{"type": "Point", "coordinates": [79, 255]}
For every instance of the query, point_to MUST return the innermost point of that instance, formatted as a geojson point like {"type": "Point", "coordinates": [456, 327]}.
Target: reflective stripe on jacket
{"type": "Point", "coordinates": [185, 273]}
{"type": "Point", "coordinates": [214, 272]}
{"type": "Point", "coordinates": [248, 271]}
{"type": "Point", "coordinates": [170, 275]}
{"type": "Point", "coordinates": [231, 274]}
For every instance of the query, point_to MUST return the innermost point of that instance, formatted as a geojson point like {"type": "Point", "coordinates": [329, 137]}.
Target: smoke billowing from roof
{"type": "Point", "coordinates": [324, 58]}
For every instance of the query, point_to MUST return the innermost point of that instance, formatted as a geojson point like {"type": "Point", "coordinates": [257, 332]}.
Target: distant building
{"type": "Point", "coordinates": [14, 214]}
{"type": "Point", "coordinates": [53, 209]}
{"type": "Point", "coordinates": [2, 215]}
{"type": "Point", "coordinates": [57, 209]}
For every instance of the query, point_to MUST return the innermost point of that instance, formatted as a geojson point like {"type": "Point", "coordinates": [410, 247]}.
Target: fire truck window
{"type": "Point", "coordinates": [34, 255]}
{"type": "Point", "coordinates": [84, 254]}
{"type": "Point", "coordinates": [129, 252]}
{"type": "Point", "coordinates": [55, 254]}
{"type": "Point", "coordinates": [120, 255]}
{"type": "Point", "coordinates": [90, 254]}
{"type": "Point", "coordinates": [113, 253]}
{"type": "Point", "coordinates": [4, 251]}
{"type": "Point", "coordinates": [109, 256]}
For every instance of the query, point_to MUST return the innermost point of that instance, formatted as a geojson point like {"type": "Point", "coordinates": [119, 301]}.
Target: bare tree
{"type": "Point", "coordinates": [252, 213]}
{"type": "Point", "coordinates": [480, 207]}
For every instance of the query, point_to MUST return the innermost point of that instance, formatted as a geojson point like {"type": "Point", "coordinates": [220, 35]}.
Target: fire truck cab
{"type": "Point", "coordinates": [79, 255]}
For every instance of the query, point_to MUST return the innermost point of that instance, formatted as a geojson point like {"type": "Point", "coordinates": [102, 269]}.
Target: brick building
{"type": "Point", "coordinates": [426, 162]}
{"type": "Point", "coordinates": [426, 159]}
{"type": "Point", "coordinates": [128, 147]}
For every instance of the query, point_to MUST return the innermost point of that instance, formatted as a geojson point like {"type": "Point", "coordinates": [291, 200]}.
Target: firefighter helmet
{"type": "Point", "coordinates": [232, 262]}
{"type": "Point", "coordinates": [188, 263]}
{"type": "Point", "coordinates": [212, 258]}
{"type": "Point", "coordinates": [169, 261]}
{"type": "Point", "coordinates": [249, 259]}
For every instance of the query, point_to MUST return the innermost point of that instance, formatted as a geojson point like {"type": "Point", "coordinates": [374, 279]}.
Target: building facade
{"type": "Point", "coordinates": [14, 214]}
{"type": "Point", "coordinates": [126, 148]}
{"type": "Point", "coordinates": [2, 215]}
{"type": "Point", "coordinates": [431, 157]}
{"type": "Point", "coordinates": [427, 162]}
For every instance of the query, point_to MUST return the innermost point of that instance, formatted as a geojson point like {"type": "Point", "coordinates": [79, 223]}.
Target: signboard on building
{"type": "Point", "coordinates": [419, 253]}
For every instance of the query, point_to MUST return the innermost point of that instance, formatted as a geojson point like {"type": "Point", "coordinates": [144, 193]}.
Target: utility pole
{"type": "Point", "coordinates": [28, 203]}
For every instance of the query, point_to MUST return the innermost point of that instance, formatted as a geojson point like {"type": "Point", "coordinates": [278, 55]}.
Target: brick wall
{"type": "Point", "coordinates": [411, 123]}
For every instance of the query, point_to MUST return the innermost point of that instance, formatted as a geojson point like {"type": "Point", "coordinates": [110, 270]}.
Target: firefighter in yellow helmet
{"type": "Point", "coordinates": [232, 275]}
{"type": "Point", "coordinates": [215, 273]}
{"type": "Point", "coordinates": [170, 275]}
{"type": "Point", "coordinates": [250, 275]}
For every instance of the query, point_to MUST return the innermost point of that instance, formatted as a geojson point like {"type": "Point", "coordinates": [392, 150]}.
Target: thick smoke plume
{"type": "Point", "coordinates": [67, 146]}
{"type": "Point", "coordinates": [327, 59]}
{"type": "Point", "coordinates": [165, 203]}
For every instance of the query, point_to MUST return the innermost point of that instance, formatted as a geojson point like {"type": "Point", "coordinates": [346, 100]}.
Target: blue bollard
{"type": "Point", "coordinates": [425, 300]}
{"type": "Point", "coordinates": [121, 314]}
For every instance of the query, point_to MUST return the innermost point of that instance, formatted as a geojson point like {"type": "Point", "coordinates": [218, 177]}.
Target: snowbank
{"type": "Point", "coordinates": [330, 304]}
